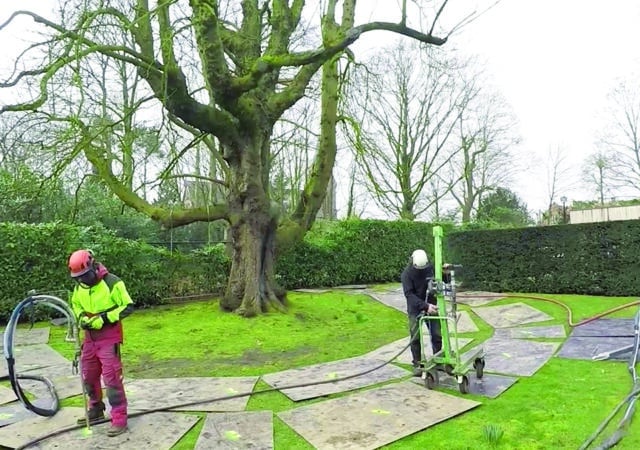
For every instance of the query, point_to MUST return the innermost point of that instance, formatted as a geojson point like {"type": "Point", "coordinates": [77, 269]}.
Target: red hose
{"type": "Point", "coordinates": [559, 303]}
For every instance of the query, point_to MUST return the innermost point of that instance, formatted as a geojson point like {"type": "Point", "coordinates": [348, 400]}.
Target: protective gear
{"type": "Point", "coordinates": [109, 299]}
{"type": "Point", "coordinates": [415, 285]}
{"type": "Point", "coordinates": [419, 259]}
{"type": "Point", "coordinates": [431, 309]}
{"type": "Point", "coordinates": [95, 413]}
{"type": "Point", "coordinates": [92, 323]}
{"type": "Point", "coordinates": [116, 431]}
{"type": "Point", "coordinates": [101, 308]}
{"type": "Point", "coordinates": [80, 262]}
{"type": "Point", "coordinates": [103, 359]}
{"type": "Point", "coordinates": [88, 279]}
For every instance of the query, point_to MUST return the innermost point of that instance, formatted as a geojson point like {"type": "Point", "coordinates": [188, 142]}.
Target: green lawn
{"type": "Point", "coordinates": [558, 407]}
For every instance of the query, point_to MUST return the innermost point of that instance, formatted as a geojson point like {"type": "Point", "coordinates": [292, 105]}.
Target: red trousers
{"type": "Point", "coordinates": [103, 359]}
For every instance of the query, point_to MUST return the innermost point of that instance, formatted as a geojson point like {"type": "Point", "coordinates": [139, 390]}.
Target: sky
{"type": "Point", "coordinates": [553, 60]}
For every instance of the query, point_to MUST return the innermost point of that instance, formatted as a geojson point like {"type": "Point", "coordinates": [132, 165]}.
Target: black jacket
{"type": "Point", "coordinates": [415, 283]}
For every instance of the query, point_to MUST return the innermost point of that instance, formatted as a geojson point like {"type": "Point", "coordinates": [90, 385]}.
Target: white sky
{"type": "Point", "coordinates": [553, 60]}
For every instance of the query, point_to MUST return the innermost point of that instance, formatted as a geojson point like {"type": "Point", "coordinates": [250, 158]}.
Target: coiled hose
{"type": "Point", "coordinates": [31, 301]}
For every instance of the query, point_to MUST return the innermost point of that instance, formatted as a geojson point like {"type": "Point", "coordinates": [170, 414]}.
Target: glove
{"type": "Point", "coordinates": [92, 323]}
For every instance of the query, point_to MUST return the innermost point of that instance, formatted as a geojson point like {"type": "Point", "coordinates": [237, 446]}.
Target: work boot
{"type": "Point", "coordinates": [116, 431]}
{"type": "Point", "coordinates": [417, 371]}
{"type": "Point", "coordinates": [95, 414]}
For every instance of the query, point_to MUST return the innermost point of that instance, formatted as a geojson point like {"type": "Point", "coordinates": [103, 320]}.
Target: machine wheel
{"type": "Point", "coordinates": [448, 369]}
{"type": "Point", "coordinates": [478, 364]}
{"type": "Point", "coordinates": [464, 385]}
{"type": "Point", "coordinates": [431, 380]}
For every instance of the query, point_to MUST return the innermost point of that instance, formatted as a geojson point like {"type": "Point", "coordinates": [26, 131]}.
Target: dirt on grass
{"type": "Point", "coordinates": [149, 366]}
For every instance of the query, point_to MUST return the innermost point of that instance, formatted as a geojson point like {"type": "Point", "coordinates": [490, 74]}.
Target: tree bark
{"type": "Point", "coordinates": [252, 288]}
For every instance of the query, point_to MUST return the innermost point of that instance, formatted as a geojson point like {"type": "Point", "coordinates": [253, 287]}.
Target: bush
{"type": "Point", "coordinates": [353, 251]}
{"type": "Point", "coordinates": [35, 257]}
{"type": "Point", "coordinates": [599, 259]}
{"type": "Point", "coordinates": [594, 258]}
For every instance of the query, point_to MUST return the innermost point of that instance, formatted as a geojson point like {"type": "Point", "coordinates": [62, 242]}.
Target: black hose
{"type": "Point", "coordinates": [14, 377]}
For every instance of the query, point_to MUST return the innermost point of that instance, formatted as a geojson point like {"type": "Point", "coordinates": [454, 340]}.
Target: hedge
{"type": "Point", "coordinates": [35, 257]}
{"type": "Point", "coordinates": [353, 252]}
{"type": "Point", "coordinates": [595, 258]}
{"type": "Point", "coordinates": [600, 259]}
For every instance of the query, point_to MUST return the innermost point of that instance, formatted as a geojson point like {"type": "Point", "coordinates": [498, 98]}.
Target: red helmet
{"type": "Point", "coordinates": [80, 262]}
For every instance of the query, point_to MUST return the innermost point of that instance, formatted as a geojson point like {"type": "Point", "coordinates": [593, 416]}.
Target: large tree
{"type": "Point", "coordinates": [229, 69]}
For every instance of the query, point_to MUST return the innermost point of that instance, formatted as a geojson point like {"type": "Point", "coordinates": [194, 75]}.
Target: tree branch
{"type": "Point", "coordinates": [199, 177]}
{"type": "Point", "coordinates": [169, 218]}
{"type": "Point", "coordinates": [207, 29]}
{"type": "Point", "coordinates": [317, 57]}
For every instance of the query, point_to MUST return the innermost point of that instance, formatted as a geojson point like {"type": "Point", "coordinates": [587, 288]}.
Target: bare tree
{"type": "Point", "coordinates": [558, 177]}
{"type": "Point", "coordinates": [225, 68]}
{"type": "Point", "coordinates": [596, 173]}
{"type": "Point", "coordinates": [486, 132]}
{"type": "Point", "coordinates": [620, 141]}
{"type": "Point", "coordinates": [402, 125]}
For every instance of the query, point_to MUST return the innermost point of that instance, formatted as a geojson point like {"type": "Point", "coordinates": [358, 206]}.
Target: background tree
{"type": "Point", "coordinates": [621, 138]}
{"type": "Point", "coordinates": [226, 69]}
{"type": "Point", "coordinates": [596, 175]}
{"type": "Point", "coordinates": [404, 111]}
{"type": "Point", "coordinates": [558, 176]}
{"type": "Point", "coordinates": [486, 160]}
{"type": "Point", "coordinates": [503, 208]}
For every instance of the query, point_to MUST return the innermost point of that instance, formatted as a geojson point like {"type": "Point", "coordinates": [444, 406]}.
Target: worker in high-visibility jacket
{"type": "Point", "coordinates": [100, 301]}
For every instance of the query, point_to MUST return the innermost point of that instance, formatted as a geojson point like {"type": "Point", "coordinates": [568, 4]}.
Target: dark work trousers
{"type": "Point", "coordinates": [434, 332]}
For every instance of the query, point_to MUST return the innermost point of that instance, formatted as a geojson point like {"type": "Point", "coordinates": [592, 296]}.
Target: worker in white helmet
{"type": "Point", "coordinates": [415, 284]}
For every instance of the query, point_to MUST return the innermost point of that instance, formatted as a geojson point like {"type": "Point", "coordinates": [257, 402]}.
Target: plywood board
{"type": "Point", "coordinates": [163, 392]}
{"type": "Point", "coordinates": [25, 336]}
{"type": "Point", "coordinates": [514, 314]}
{"type": "Point", "coordinates": [578, 347]}
{"type": "Point", "coordinates": [373, 418]}
{"type": "Point", "coordinates": [477, 298]}
{"type": "Point", "coordinates": [34, 426]}
{"type": "Point", "coordinates": [31, 357]}
{"type": "Point", "coordinates": [605, 327]}
{"type": "Point", "coordinates": [240, 430]}
{"type": "Point", "coordinates": [393, 300]}
{"type": "Point", "coordinates": [386, 352]}
{"type": "Point", "coordinates": [550, 332]}
{"type": "Point", "coordinates": [152, 431]}
{"type": "Point", "coordinates": [489, 385]}
{"type": "Point", "coordinates": [327, 372]}
{"type": "Point", "coordinates": [519, 357]}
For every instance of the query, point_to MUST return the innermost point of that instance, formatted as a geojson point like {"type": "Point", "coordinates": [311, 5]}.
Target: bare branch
{"type": "Point", "coordinates": [199, 177]}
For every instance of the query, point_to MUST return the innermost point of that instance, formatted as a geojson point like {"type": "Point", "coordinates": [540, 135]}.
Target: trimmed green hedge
{"type": "Point", "coordinates": [595, 258]}
{"type": "Point", "coordinates": [600, 258]}
{"type": "Point", "coordinates": [35, 257]}
{"type": "Point", "coordinates": [352, 252]}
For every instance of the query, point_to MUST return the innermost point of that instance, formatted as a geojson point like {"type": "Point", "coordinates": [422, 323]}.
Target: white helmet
{"type": "Point", "coordinates": [419, 259]}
